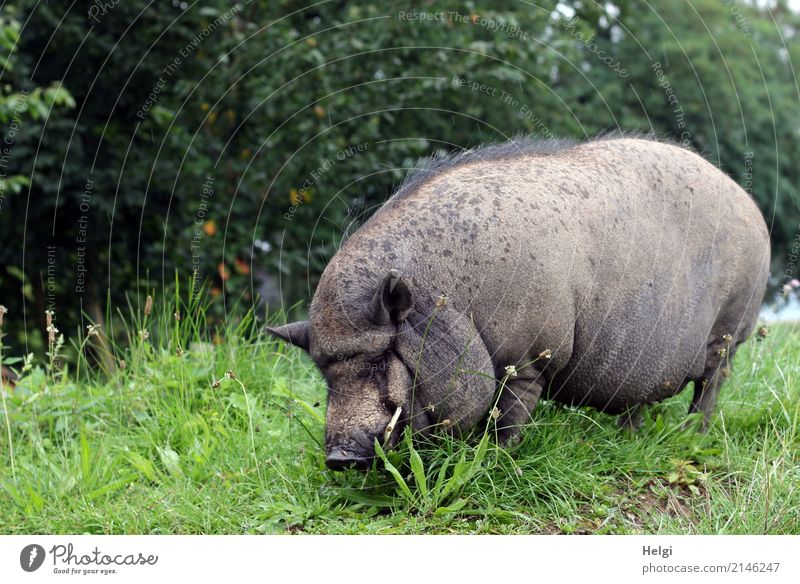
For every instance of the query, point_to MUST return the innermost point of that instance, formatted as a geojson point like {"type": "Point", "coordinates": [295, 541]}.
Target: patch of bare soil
{"type": "Point", "coordinates": [660, 497]}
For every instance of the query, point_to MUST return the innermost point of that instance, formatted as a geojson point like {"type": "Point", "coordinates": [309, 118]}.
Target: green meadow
{"type": "Point", "coordinates": [224, 435]}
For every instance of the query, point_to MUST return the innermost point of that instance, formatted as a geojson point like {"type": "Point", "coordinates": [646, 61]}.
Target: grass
{"type": "Point", "coordinates": [200, 437]}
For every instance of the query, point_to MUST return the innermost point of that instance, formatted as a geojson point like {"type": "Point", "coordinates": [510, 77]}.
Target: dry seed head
{"type": "Point", "coordinates": [52, 331]}
{"type": "Point", "coordinates": [148, 305]}
{"type": "Point", "coordinates": [179, 352]}
{"type": "Point", "coordinates": [122, 364]}
{"type": "Point", "coordinates": [546, 354]}
{"type": "Point", "coordinates": [93, 330]}
{"type": "Point", "coordinates": [3, 311]}
{"type": "Point", "coordinates": [727, 338]}
{"type": "Point", "coordinates": [722, 352]}
{"type": "Point", "coordinates": [49, 315]}
{"type": "Point", "coordinates": [441, 301]}
{"type": "Point", "coordinates": [763, 331]}
{"type": "Point", "coordinates": [518, 471]}
{"type": "Point", "coordinates": [495, 413]}
{"type": "Point", "coordinates": [177, 317]}
{"type": "Point", "coordinates": [215, 384]}
{"type": "Point", "coordinates": [230, 374]}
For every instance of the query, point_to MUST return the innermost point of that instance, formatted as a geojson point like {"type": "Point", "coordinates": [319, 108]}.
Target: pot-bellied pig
{"type": "Point", "coordinates": [609, 273]}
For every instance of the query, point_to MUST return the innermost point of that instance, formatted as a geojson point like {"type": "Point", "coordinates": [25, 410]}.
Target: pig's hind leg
{"type": "Point", "coordinates": [707, 386]}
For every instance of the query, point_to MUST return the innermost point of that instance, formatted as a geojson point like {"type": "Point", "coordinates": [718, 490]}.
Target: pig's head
{"type": "Point", "coordinates": [352, 336]}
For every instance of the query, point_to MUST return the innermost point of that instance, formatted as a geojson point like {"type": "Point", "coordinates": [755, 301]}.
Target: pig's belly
{"type": "Point", "coordinates": [621, 367]}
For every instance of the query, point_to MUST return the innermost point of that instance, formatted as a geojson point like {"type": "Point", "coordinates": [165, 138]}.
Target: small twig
{"type": "Point", "coordinates": [390, 428]}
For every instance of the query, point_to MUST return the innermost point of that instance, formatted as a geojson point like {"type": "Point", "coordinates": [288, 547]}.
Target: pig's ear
{"type": "Point", "coordinates": [295, 333]}
{"type": "Point", "coordinates": [392, 301]}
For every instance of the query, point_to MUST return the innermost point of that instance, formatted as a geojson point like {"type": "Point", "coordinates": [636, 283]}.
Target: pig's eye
{"type": "Point", "coordinates": [373, 366]}
{"type": "Point", "coordinates": [379, 363]}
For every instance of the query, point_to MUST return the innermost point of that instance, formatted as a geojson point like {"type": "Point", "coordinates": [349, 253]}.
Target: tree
{"type": "Point", "coordinates": [233, 144]}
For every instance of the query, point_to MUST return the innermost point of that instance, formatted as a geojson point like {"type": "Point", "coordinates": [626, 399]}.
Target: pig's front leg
{"type": "Point", "coordinates": [515, 405]}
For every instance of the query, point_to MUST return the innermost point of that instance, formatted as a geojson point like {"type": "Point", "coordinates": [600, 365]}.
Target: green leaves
{"type": "Point", "coordinates": [445, 495]}
{"type": "Point", "coordinates": [401, 482]}
{"type": "Point", "coordinates": [170, 460]}
{"type": "Point", "coordinates": [143, 465]}
{"type": "Point", "coordinates": [418, 468]}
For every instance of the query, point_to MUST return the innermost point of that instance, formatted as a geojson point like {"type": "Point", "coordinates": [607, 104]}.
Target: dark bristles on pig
{"type": "Point", "coordinates": [608, 274]}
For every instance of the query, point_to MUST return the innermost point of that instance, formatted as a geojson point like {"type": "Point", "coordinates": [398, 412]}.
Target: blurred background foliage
{"type": "Point", "coordinates": [236, 143]}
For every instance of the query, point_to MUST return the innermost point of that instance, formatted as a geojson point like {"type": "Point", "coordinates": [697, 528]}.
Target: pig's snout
{"type": "Point", "coordinates": [352, 449]}
{"type": "Point", "coordinates": [341, 458]}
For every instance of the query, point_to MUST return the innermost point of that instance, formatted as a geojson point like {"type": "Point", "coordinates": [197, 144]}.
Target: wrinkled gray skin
{"type": "Point", "coordinates": [639, 265]}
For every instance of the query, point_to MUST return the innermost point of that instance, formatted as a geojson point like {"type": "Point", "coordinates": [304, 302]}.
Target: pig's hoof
{"type": "Point", "coordinates": [509, 437]}
{"type": "Point", "coordinates": [631, 420]}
